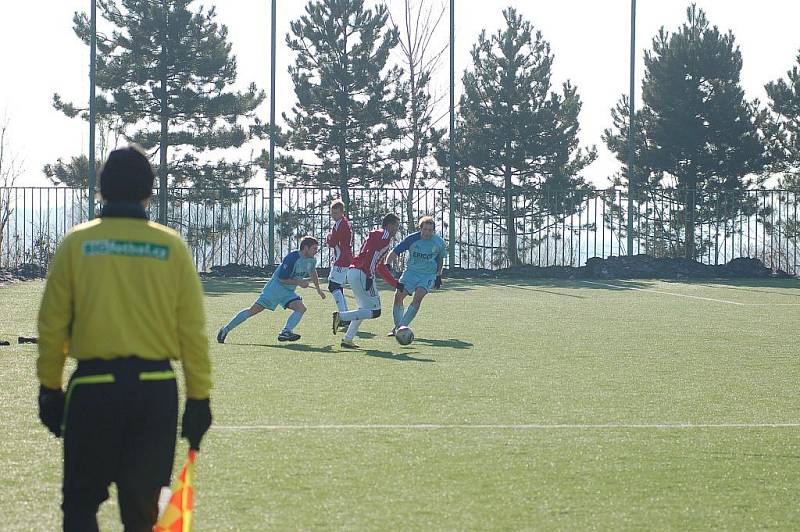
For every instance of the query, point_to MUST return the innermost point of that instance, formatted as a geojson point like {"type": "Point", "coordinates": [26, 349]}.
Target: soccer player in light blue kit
{"type": "Point", "coordinates": [296, 268]}
{"type": "Point", "coordinates": [423, 271]}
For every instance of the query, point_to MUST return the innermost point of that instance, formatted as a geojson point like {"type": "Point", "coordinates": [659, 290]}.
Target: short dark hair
{"type": "Point", "coordinates": [308, 241]}
{"type": "Point", "coordinates": [390, 219]}
{"type": "Point", "coordinates": [127, 175]}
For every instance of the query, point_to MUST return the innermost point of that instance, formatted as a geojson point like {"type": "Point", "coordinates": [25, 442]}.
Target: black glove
{"type": "Point", "coordinates": [400, 287]}
{"type": "Point", "coordinates": [370, 282]}
{"type": "Point", "coordinates": [51, 409]}
{"type": "Point", "coordinates": [437, 284]}
{"type": "Point", "coordinates": [196, 421]}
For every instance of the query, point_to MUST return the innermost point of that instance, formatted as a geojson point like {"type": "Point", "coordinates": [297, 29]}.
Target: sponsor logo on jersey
{"type": "Point", "coordinates": [124, 248]}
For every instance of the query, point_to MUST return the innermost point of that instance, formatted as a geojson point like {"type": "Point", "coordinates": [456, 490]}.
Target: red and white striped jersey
{"type": "Point", "coordinates": [370, 258]}
{"type": "Point", "coordinates": [340, 240]}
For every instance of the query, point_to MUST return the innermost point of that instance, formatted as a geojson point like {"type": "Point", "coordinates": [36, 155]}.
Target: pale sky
{"type": "Point", "coordinates": [590, 40]}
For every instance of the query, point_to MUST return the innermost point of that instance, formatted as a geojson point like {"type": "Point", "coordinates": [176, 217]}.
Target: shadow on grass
{"type": "Point", "coordinates": [233, 285]}
{"type": "Point", "coordinates": [302, 348]}
{"type": "Point", "coordinates": [751, 285]}
{"type": "Point", "coordinates": [534, 289]}
{"type": "Point", "coordinates": [545, 286]}
{"type": "Point", "coordinates": [559, 287]}
{"type": "Point", "coordinates": [451, 343]}
{"type": "Point", "coordinates": [401, 357]}
{"type": "Point", "coordinates": [366, 334]}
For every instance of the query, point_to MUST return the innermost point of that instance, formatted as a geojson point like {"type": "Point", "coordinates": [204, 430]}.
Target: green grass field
{"type": "Point", "coordinates": [521, 405]}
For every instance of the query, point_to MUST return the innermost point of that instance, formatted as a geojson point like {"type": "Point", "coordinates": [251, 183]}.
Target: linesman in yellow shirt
{"type": "Point", "coordinates": [124, 299]}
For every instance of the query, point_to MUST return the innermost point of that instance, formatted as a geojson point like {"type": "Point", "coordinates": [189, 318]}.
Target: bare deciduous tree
{"type": "Point", "coordinates": [421, 58]}
{"type": "Point", "coordinates": [11, 167]}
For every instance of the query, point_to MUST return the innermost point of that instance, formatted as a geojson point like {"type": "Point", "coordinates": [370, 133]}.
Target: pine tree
{"type": "Point", "coordinates": [784, 96]}
{"type": "Point", "coordinates": [518, 138]}
{"type": "Point", "coordinates": [784, 133]}
{"type": "Point", "coordinates": [74, 173]}
{"type": "Point", "coordinates": [698, 139]}
{"type": "Point", "coordinates": [349, 99]}
{"type": "Point", "coordinates": [164, 75]}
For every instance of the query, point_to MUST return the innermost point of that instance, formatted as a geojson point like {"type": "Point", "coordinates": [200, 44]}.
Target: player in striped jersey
{"type": "Point", "coordinates": [361, 276]}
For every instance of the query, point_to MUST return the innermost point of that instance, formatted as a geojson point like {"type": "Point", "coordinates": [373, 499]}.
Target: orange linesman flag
{"type": "Point", "coordinates": [177, 516]}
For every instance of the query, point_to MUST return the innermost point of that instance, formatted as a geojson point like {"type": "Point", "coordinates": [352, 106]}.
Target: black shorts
{"type": "Point", "coordinates": [120, 423]}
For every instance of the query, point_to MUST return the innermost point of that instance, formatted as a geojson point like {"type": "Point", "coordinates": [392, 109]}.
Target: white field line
{"type": "Point", "coordinates": [523, 426]}
{"type": "Point", "coordinates": [662, 292]}
{"type": "Point", "coordinates": [771, 304]}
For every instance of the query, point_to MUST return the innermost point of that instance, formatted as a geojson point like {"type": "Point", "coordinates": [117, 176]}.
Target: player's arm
{"type": "Point", "coordinates": [401, 248]}
{"type": "Point", "coordinates": [439, 269]}
{"type": "Point", "coordinates": [346, 238]}
{"type": "Point", "coordinates": [285, 272]}
{"type": "Point", "coordinates": [315, 280]}
{"type": "Point", "coordinates": [391, 258]}
{"type": "Point", "coordinates": [386, 275]}
{"type": "Point", "coordinates": [332, 238]}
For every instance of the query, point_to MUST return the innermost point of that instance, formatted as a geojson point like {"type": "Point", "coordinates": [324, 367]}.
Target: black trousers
{"type": "Point", "coordinates": [119, 426]}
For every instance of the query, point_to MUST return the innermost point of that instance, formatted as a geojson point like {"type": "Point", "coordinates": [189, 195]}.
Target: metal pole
{"type": "Point", "coordinates": [92, 76]}
{"type": "Point", "coordinates": [631, 131]}
{"type": "Point", "coordinates": [452, 246]}
{"type": "Point", "coordinates": [163, 145]}
{"type": "Point", "coordinates": [272, 140]}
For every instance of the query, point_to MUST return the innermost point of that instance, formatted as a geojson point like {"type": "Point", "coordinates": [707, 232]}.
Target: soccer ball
{"type": "Point", "coordinates": [404, 335]}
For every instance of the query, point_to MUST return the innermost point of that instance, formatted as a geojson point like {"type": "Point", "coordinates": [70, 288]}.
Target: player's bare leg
{"type": "Point", "coordinates": [237, 320]}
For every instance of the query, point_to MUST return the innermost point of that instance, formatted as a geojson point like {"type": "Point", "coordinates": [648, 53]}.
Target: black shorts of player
{"type": "Point", "coordinates": [119, 426]}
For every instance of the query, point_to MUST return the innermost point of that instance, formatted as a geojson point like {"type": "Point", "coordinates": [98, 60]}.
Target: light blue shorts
{"type": "Point", "coordinates": [277, 294]}
{"type": "Point", "coordinates": [412, 280]}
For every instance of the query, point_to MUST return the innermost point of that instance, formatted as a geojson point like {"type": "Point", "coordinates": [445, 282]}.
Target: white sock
{"type": "Point", "coordinates": [358, 314]}
{"type": "Point", "coordinates": [341, 302]}
{"type": "Point", "coordinates": [352, 330]}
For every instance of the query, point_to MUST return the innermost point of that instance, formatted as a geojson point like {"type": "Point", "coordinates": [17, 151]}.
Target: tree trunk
{"type": "Point", "coordinates": [412, 178]}
{"type": "Point", "coordinates": [410, 198]}
{"type": "Point", "coordinates": [163, 146]}
{"type": "Point", "coordinates": [343, 177]}
{"type": "Point", "coordinates": [412, 181]}
{"type": "Point", "coordinates": [691, 202]}
{"type": "Point", "coordinates": [511, 228]}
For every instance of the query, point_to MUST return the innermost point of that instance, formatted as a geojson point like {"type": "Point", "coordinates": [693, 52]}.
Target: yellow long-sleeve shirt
{"type": "Point", "coordinates": [119, 287]}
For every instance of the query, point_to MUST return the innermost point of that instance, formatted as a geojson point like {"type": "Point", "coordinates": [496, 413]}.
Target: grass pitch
{"type": "Point", "coordinates": [521, 405]}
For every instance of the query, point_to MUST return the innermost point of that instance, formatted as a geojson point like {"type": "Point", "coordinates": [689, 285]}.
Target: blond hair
{"type": "Point", "coordinates": [308, 241]}
{"type": "Point", "coordinates": [426, 220]}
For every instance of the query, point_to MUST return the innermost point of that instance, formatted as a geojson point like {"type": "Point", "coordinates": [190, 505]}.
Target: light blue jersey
{"type": "Point", "coordinates": [294, 266]}
{"type": "Point", "coordinates": [425, 257]}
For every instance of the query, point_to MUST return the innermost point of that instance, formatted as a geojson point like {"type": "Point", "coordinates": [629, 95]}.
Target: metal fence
{"type": "Point", "coordinates": [551, 228]}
